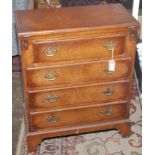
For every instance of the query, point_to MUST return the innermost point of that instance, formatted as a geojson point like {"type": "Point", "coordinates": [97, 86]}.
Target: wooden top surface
{"type": "Point", "coordinates": [72, 18]}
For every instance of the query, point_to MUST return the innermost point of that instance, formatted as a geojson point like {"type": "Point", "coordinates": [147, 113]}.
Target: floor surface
{"type": "Point", "coordinates": [17, 109]}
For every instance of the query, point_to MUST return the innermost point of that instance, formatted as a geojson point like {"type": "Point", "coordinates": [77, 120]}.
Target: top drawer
{"type": "Point", "coordinates": [65, 50]}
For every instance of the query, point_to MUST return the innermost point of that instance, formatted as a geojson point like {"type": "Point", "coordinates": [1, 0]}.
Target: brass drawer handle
{"type": "Point", "coordinates": [52, 98]}
{"type": "Point", "coordinates": [107, 91]}
{"type": "Point", "coordinates": [106, 112]}
{"type": "Point", "coordinates": [110, 45]}
{"type": "Point", "coordinates": [50, 52]}
{"type": "Point", "coordinates": [51, 76]}
{"type": "Point", "coordinates": [107, 71]}
{"type": "Point", "coordinates": [52, 118]}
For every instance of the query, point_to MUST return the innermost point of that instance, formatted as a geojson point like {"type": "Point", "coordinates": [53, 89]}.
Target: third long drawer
{"type": "Point", "coordinates": [78, 95]}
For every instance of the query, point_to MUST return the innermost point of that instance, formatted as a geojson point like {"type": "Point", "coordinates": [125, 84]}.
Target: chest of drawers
{"type": "Point", "coordinates": [68, 87]}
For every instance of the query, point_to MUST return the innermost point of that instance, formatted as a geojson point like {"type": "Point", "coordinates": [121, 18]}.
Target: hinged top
{"type": "Point", "coordinates": [47, 21]}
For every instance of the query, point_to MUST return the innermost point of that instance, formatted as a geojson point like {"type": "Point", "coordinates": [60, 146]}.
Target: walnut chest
{"type": "Point", "coordinates": [69, 87]}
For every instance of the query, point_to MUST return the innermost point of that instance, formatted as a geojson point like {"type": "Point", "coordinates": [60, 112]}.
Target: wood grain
{"type": "Point", "coordinates": [75, 96]}
{"type": "Point", "coordinates": [78, 116]}
{"type": "Point", "coordinates": [74, 74]}
{"type": "Point", "coordinates": [67, 87]}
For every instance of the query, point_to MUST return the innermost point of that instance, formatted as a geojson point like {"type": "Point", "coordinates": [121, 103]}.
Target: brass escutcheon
{"type": "Point", "coordinates": [51, 76]}
{"type": "Point", "coordinates": [107, 92]}
{"type": "Point", "coordinates": [106, 112]}
{"type": "Point", "coordinates": [52, 98]}
{"type": "Point", "coordinates": [110, 45]}
{"type": "Point", "coordinates": [52, 118]}
{"type": "Point", "coordinates": [50, 52]}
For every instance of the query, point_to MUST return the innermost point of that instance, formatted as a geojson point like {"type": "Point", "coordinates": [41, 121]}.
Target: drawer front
{"type": "Point", "coordinates": [79, 116]}
{"type": "Point", "coordinates": [77, 49]}
{"type": "Point", "coordinates": [77, 74]}
{"type": "Point", "coordinates": [82, 95]}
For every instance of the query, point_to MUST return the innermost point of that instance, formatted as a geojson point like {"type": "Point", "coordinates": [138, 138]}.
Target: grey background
{"type": "Point", "coordinates": [16, 5]}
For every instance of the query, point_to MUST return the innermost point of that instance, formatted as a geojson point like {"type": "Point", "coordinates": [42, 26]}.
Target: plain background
{"type": "Point", "coordinates": [148, 76]}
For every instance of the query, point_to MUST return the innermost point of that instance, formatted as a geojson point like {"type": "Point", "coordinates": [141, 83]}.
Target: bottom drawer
{"type": "Point", "coordinates": [80, 115]}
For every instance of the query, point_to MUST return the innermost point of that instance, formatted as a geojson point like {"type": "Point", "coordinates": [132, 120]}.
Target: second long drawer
{"type": "Point", "coordinates": [75, 74]}
{"type": "Point", "coordinates": [84, 94]}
